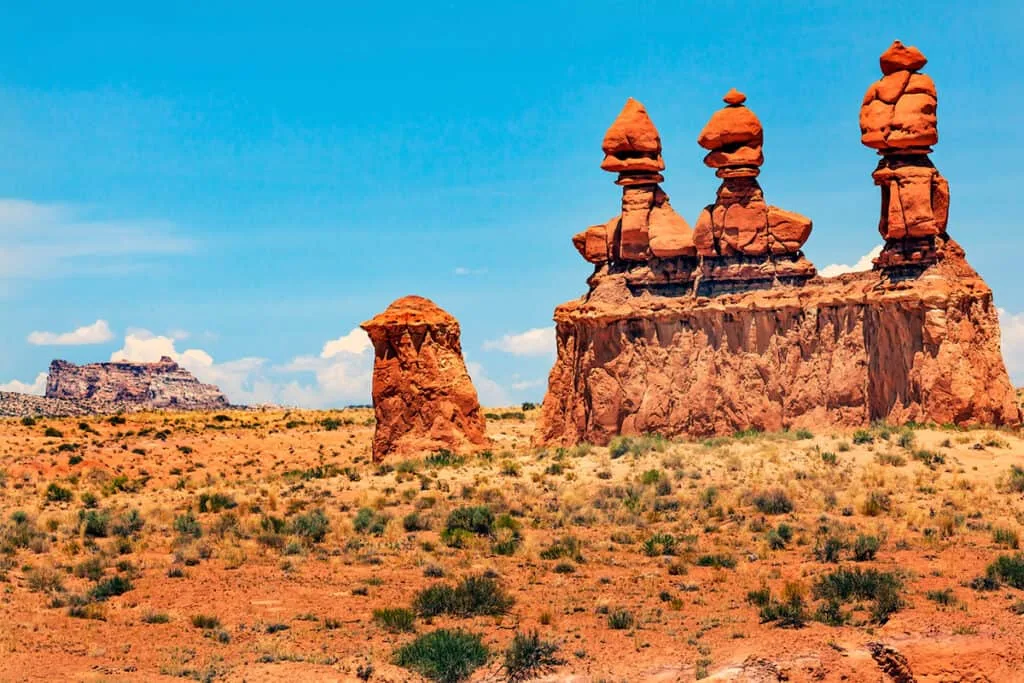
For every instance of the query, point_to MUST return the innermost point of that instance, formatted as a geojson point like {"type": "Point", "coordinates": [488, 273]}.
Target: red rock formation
{"type": "Point", "coordinates": [755, 340]}
{"type": "Point", "coordinates": [844, 352]}
{"type": "Point", "coordinates": [648, 227]}
{"type": "Point", "coordinates": [423, 397]}
{"type": "Point", "coordinates": [151, 385]}
{"type": "Point", "coordinates": [740, 224]}
{"type": "Point", "coordinates": [898, 118]}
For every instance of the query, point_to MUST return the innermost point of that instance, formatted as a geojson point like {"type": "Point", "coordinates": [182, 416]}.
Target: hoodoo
{"type": "Point", "coordinates": [423, 397]}
{"type": "Point", "coordinates": [727, 327]}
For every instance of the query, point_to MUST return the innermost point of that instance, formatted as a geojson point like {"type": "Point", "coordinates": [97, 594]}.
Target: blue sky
{"type": "Point", "coordinates": [243, 185]}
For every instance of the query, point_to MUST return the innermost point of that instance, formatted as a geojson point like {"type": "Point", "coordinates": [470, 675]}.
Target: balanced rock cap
{"type": "Point", "coordinates": [632, 145]}
{"type": "Point", "coordinates": [734, 97]}
{"type": "Point", "coordinates": [410, 310]}
{"type": "Point", "coordinates": [900, 57]}
{"type": "Point", "coordinates": [735, 124]}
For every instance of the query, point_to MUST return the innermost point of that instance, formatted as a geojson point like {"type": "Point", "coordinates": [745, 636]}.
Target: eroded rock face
{"type": "Point", "coordinates": [423, 397]}
{"type": "Point", "coordinates": [843, 351]}
{"type": "Point", "coordinates": [160, 385]}
{"type": "Point", "coordinates": [898, 119]}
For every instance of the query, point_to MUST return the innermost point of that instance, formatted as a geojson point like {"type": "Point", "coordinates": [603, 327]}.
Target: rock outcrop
{"type": "Point", "coordinates": [898, 119]}
{"type": "Point", "coordinates": [741, 238]}
{"type": "Point", "coordinates": [160, 385]}
{"type": "Point", "coordinates": [423, 396]}
{"type": "Point", "coordinates": [742, 334]}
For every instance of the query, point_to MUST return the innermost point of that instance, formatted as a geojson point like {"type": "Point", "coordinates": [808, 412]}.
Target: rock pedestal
{"type": "Point", "coordinates": [743, 241]}
{"type": "Point", "coordinates": [898, 119]}
{"type": "Point", "coordinates": [423, 397]}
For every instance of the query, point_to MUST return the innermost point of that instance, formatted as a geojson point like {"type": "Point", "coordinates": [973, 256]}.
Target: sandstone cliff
{"type": "Point", "coordinates": [163, 384]}
{"type": "Point", "coordinates": [843, 351]}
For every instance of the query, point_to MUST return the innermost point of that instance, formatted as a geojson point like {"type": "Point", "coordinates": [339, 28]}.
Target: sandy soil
{"type": "Point", "coordinates": [942, 503]}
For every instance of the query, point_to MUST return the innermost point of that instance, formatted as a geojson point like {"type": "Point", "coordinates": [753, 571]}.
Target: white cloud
{"type": "Point", "coordinates": [239, 379]}
{"type": "Point", "coordinates": [462, 270]}
{"type": "Point", "coordinates": [865, 263]}
{"type": "Point", "coordinates": [525, 384]}
{"type": "Point", "coordinates": [488, 391]}
{"type": "Point", "coordinates": [1012, 325]}
{"type": "Point", "coordinates": [356, 341]}
{"type": "Point", "coordinates": [97, 333]}
{"type": "Point", "coordinates": [37, 388]}
{"type": "Point", "coordinates": [55, 240]}
{"type": "Point", "coordinates": [539, 341]}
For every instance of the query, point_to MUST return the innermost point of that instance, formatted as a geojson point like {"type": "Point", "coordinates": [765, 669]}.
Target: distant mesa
{"type": "Point", "coordinates": [728, 327]}
{"type": "Point", "coordinates": [423, 397]}
{"type": "Point", "coordinates": [115, 387]}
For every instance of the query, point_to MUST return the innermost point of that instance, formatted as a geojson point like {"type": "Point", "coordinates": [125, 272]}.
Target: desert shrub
{"type": "Point", "coordinates": [369, 521]}
{"type": "Point", "coordinates": [846, 585]}
{"type": "Point", "coordinates": [444, 458]}
{"type": "Point", "coordinates": [877, 503]}
{"type": "Point", "coordinates": [28, 421]}
{"type": "Point", "coordinates": [156, 618]}
{"type": "Point", "coordinates": [789, 612]}
{"type": "Point", "coordinates": [829, 458]}
{"type": "Point", "coordinates": [620, 619]}
{"type": "Point", "coordinates": [94, 523]}
{"type": "Point", "coordinates": [1014, 480]}
{"type": "Point", "coordinates": [89, 569]}
{"type": "Point", "coordinates": [188, 525]}
{"type": "Point", "coordinates": [529, 656]}
{"type": "Point", "coordinates": [57, 494]}
{"type": "Point", "coordinates": [863, 436]}
{"type": "Point", "coordinates": [716, 560]}
{"type": "Point", "coordinates": [708, 497]}
{"type": "Point", "coordinates": [865, 548]}
{"type": "Point", "coordinates": [474, 595]}
{"type": "Point", "coordinates": [215, 502]}
{"type": "Point", "coordinates": [53, 433]}
{"type": "Point", "coordinates": [803, 434]}
{"type": "Point", "coordinates": [1008, 569]}
{"type": "Point", "coordinates": [205, 621]}
{"type": "Point", "coordinates": [128, 524]}
{"type": "Point", "coordinates": [413, 522]}
{"type": "Point", "coordinates": [565, 547]}
{"type": "Point", "coordinates": [773, 502]}
{"type": "Point", "coordinates": [447, 656]}
{"type": "Point", "coordinates": [44, 580]}
{"type": "Point", "coordinates": [115, 585]}
{"type": "Point", "coordinates": [930, 458]}
{"type": "Point", "coordinates": [395, 619]}
{"type": "Point", "coordinates": [507, 536]}
{"type": "Point", "coordinates": [779, 537]}
{"type": "Point", "coordinates": [1006, 537]}
{"type": "Point", "coordinates": [312, 526]}
{"type": "Point", "coordinates": [942, 597]}
{"type": "Point", "coordinates": [660, 544]}
{"type": "Point", "coordinates": [466, 521]}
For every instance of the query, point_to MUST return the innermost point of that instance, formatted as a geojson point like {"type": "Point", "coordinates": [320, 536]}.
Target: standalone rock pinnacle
{"type": "Point", "coordinates": [422, 395]}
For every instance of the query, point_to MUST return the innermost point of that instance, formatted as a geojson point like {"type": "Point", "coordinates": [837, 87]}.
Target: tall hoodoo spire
{"type": "Point", "coordinates": [898, 119]}
{"type": "Point", "coordinates": [648, 227]}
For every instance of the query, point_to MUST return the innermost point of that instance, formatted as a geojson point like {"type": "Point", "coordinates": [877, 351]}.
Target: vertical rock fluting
{"type": "Point", "coordinates": [423, 397]}
{"type": "Point", "coordinates": [898, 118]}
{"type": "Point", "coordinates": [758, 341]}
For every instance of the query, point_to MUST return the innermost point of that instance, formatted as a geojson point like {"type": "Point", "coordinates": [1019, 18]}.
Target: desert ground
{"type": "Point", "coordinates": [266, 545]}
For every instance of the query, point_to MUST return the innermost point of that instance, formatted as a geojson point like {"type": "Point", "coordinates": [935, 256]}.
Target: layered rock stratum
{"type": "Point", "coordinates": [741, 333]}
{"type": "Point", "coordinates": [115, 387]}
{"type": "Point", "coordinates": [423, 397]}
